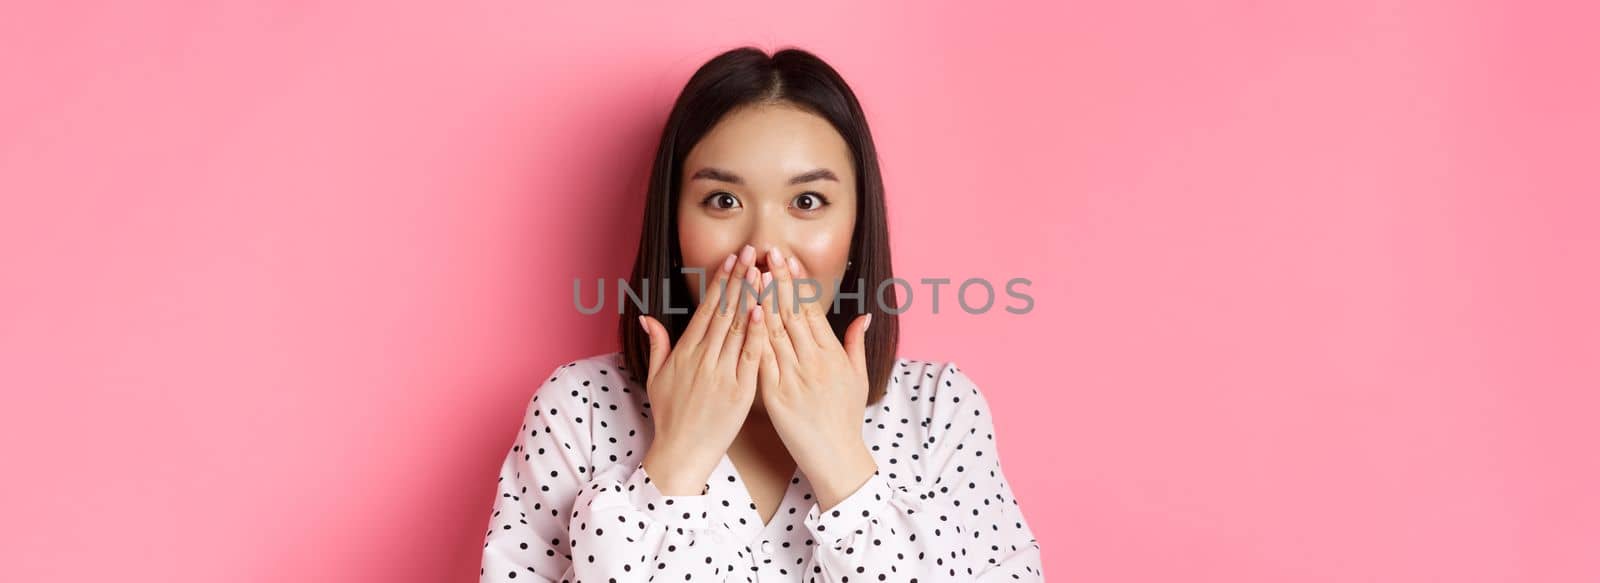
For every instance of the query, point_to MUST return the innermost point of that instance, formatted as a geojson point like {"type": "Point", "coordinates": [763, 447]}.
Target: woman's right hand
{"type": "Point", "coordinates": [701, 390]}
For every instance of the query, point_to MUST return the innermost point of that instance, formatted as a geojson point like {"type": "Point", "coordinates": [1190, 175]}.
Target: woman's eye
{"type": "Point", "coordinates": [813, 202]}
{"type": "Point", "coordinates": [716, 200]}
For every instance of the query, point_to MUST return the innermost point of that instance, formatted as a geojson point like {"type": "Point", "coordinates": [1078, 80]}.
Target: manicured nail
{"type": "Point", "coordinates": [755, 314]}
{"type": "Point", "coordinates": [642, 324]}
{"type": "Point", "coordinates": [727, 264]}
{"type": "Point", "coordinates": [794, 264]}
{"type": "Point", "coordinates": [747, 254]}
{"type": "Point", "coordinates": [766, 279]}
{"type": "Point", "coordinates": [868, 325]}
{"type": "Point", "coordinates": [774, 256]}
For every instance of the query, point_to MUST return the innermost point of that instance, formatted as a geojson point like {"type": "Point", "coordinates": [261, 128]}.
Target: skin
{"type": "Point", "coordinates": [766, 146]}
{"type": "Point", "coordinates": [809, 388]}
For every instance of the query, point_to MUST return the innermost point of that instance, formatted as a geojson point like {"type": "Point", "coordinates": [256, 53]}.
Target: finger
{"type": "Point", "coordinates": [770, 372]}
{"type": "Point", "coordinates": [777, 335]}
{"type": "Point", "coordinates": [815, 312]}
{"type": "Point", "coordinates": [768, 294]}
{"type": "Point", "coordinates": [855, 342]}
{"type": "Point", "coordinates": [793, 321]}
{"type": "Point", "coordinates": [777, 331]}
{"type": "Point", "coordinates": [733, 343]}
{"type": "Point", "coordinates": [753, 351]}
{"type": "Point", "coordinates": [660, 344]}
{"type": "Point", "coordinates": [710, 347]}
{"type": "Point", "coordinates": [708, 301]}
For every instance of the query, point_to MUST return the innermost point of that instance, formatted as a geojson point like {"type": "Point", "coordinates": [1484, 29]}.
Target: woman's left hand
{"type": "Point", "coordinates": [814, 388]}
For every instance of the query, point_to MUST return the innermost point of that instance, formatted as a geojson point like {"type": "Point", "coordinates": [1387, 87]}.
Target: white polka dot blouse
{"type": "Point", "coordinates": [574, 504]}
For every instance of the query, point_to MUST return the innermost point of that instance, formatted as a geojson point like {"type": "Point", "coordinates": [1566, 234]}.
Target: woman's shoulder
{"type": "Point", "coordinates": [589, 379]}
{"type": "Point", "coordinates": [588, 403]}
{"type": "Point", "coordinates": [602, 366]}
{"type": "Point", "coordinates": [942, 400]}
{"type": "Point", "coordinates": [928, 384]}
{"type": "Point", "coordinates": [919, 373]}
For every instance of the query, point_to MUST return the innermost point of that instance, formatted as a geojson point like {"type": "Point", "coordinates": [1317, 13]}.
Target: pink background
{"type": "Point", "coordinates": [1315, 286]}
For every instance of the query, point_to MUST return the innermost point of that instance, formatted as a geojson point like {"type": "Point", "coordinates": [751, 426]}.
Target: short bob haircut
{"type": "Point", "coordinates": [737, 78]}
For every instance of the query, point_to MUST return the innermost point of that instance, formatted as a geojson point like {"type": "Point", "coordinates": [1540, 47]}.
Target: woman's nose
{"type": "Point", "coordinates": [763, 255]}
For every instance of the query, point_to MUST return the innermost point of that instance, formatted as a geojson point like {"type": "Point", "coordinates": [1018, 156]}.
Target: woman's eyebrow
{"type": "Point", "coordinates": [721, 175]}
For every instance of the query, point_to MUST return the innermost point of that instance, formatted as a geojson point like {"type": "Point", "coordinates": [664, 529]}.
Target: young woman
{"type": "Point", "coordinates": [766, 431]}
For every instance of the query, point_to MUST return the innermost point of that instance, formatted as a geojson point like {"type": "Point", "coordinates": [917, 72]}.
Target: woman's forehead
{"type": "Point", "coordinates": [769, 146]}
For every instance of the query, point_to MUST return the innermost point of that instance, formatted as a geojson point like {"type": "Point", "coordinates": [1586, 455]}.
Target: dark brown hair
{"type": "Point", "coordinates": [733, 79]}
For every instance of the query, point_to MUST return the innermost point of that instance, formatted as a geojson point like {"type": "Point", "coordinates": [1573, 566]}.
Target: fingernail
{"type": "Point", "coordinates": [727, 264]}
{"type": "Point", "coordinates": [644, 325]}
{"type": "Point", "coordinates": [747, 254]}
{"type": "Point", "coordinates": [766, 279]}
{"type": "Point", "coordinates": [868, 325]}
{"type": "Point", "coordinates": [794, 264]}
{"type": "Point", "coordinates": [755, 314]}
{"type": "Point", "coordinates": [774, 256]}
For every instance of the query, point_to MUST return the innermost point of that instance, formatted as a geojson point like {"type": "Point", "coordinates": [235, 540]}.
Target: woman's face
{"type": "Point", "coordinates": [769, 175]}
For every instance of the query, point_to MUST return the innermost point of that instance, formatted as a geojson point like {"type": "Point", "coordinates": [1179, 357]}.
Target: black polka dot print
{"type": "Point", "coordinates": [574, 504]}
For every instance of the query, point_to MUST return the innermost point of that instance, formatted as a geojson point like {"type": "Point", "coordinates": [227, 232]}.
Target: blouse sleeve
{"type": "Point", "coordinates": [959, 523]}
{"type": "Point", "coordinates": [554, 521]}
